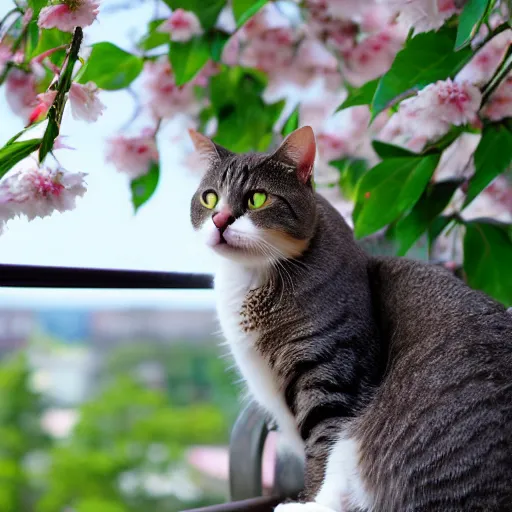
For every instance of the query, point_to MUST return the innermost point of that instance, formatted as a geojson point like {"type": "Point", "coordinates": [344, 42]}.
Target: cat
{"type": "Point", "coordinates": [389, 377]}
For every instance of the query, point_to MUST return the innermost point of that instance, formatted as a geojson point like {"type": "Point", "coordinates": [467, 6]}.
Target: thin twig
{"type": "Point", "coordinates": [56, 110]}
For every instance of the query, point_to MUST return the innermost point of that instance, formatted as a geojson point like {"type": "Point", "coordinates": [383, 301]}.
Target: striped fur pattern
{"type": "Point", "coordinates": [392, 378]}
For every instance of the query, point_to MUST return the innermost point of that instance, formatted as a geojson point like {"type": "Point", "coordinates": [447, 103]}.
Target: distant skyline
{"type": "Point", "coordinates": [102, 231]}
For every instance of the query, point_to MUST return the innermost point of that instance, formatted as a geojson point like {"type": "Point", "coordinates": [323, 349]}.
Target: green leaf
{"type": "Point", "coordinates": [436, 227]}
{"type": "Point", "coordinates": [236, 100]}
{"type": "Point", "coordinates": [144, 186]}
{"type": "Point", "coordinates": [292, 123]}
{"type": "Point", "coordinates": [206, 10]}
{"type": "Point", "coordinates": [33, 38]}
{"type": "Point", "coordinates": [217, 43]}
{"type": "Point", "coordinates": [487, 257]}
{"type": "Point", "coordinates": [36, 6]}
{"type": "Point", "coordinates": [153, 38]}
{"type": "Point", "coordinates": [110, 67]}
{"type": "Point", "coordinates": [426, 58]}
{"type": "Point", "coordinates": [469, 21]}
{"type": "Point", "coordinates": [49, 39]}
{"type": "Point", "coordinates": [50, 134]}
{"type": "Point", "coordinates": [351, 171]}
{"type": "Point", "coordinates": [188, 58]}
{"type": "Point", "coordinates": [245, 9]}
{"type": "Point", "coordinates": [361, 96]}
{"type": "Point", "coordinates": [432, 202]}
{"type": "Point", "coordinates": [13, 153]}
{"type": "Point", "coordinates": [386, 150]}
{"type": "Point", "coordinates": [492, 157]}
{"type": "Point", "coordinates": [389, 189]}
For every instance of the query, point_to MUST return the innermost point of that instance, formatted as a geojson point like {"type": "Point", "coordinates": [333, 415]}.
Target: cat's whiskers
{"type": "Point", "coordinates": [275, 257]}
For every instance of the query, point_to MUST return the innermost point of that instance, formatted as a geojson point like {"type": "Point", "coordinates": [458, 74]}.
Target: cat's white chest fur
{"type": "Point", "coordinates": [232, 282]}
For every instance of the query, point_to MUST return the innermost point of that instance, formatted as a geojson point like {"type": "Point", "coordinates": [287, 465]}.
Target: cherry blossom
{"type": "Point", "coordinates": [182, 25]}
{"type": "Point", "coordinates": [5, 56]}
{"type": "Point", "coordinates": [339, 33]}
{"type": "Point", "coordinates": [314, 56]}
{"type": "Point", "coordinates": [21, 93]}
{"type": "Point", "coordinates": [484, 64]}
{"type": "Point", "coordinates": [203, 77]}
{"type": "Point", "coordinates": [69, 14]}
{"type": "Point", "coordinates": [165, 98]}
{"type": "Point", "coordinates": [267, 18]}
{"type": "Point", "coordinates": [499, 105]}
{"type": "Point", "coordinates": [133, 155]}
{"type": "Point", "coordinates": [494, 202]}
{"type": "Point", "coordinates": [85, 104]}
{"type": "Point", "coordinates": [270, 51]}
{"type": "Point", "coordinates": [39, 191]}
{"type": "Point", "coordinates": [231, 51]}
{"type": "Point", "coordinates": [27, 17]}
{"type": "Point", "coordinates": [371, 58]}
{"type": "Point", "coordinates": [457, 159]}
{"type": "Point", "coordinates": [423, 15]}
{"type": "Point", "coordinates": [45, 101]}
{"type": "Point", "coordinates": [438, 106]}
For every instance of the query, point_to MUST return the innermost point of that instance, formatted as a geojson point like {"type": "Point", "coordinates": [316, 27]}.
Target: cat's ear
{"type": "Point", "coordinates": [208, 150]}
{"type": "Point", "coordinates": [299, 150]}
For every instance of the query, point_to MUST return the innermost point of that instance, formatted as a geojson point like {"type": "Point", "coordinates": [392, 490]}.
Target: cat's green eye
{"type": "Point", "coordinates": [209, 199]}
{"type": "Point", "coordinates": [257, 200]}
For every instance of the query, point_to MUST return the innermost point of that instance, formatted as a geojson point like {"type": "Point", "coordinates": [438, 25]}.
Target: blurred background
{"type": "Point", "coordinates": [111, 400]}
{"type": "Point", "coordinates": [114, 402]}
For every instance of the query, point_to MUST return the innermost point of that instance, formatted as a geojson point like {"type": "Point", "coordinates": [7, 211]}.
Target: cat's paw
{"type": "Point", "coordinates": [302, 507]}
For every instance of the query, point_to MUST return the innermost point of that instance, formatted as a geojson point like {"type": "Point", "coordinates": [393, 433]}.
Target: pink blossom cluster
{"type": "Point", "coordinates": [181, 25]}
{"type": "Point", "coordinates": [499, 105]}
{"type": "Point", "coordinates": [164, 97]}
{"type": "Point", "coordinates": [69, 14]}
{"type": "Point", "coordinates": [422, 15]}
{"type": "Point", "coordinates": [433, 111]}
{"type": "Point", "coordinates": [165, 100]}
{"type": "Point", "coordinates": [267, 41]}
{"type": "Point", "coordinates": [133, 155]}
{"type": "Point", "coordinates": [38, 192]}
{"type": "Point", "coordinates": [84, 101]}
{"type": "Point", "coordinates": [21, 93]}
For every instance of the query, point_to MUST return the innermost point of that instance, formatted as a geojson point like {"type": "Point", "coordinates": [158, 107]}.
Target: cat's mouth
{"type": "Point", "coordinates": [231, 242]}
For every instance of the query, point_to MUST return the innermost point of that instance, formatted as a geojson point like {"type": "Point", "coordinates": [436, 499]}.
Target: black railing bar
{"type": "Point", "coordinates": [33, 276]}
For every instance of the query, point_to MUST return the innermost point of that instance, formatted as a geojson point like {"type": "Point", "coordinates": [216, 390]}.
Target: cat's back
{"type": "Point", "coordinates": [441, 426]}
{"type": "Point", "coordinates": [419, 303]}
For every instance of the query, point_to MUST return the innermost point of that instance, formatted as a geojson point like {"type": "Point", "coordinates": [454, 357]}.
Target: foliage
{"type": "Point", "coordinates": [193, 373]}
{"type": "Point", "coordinates": [126, 433]}
{"type": "Point", "coordinates": [125, 437]}
{"type": "Point", "coordinates": [418, 98]}
{"type": "Point", "coordinates": [21, 436]}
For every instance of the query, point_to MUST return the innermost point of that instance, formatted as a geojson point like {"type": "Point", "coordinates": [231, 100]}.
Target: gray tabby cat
{"type": "Point", "coordinates": [390, 377]}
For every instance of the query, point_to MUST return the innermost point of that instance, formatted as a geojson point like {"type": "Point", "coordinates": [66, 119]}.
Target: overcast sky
{"type": "Point", "coordinates": [103, 230]}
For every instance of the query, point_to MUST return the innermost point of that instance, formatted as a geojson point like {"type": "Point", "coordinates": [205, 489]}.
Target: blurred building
{"type": "Point", "coordinates": [115, 327]}
{"type": "Point", "coordinates": [15, 328]}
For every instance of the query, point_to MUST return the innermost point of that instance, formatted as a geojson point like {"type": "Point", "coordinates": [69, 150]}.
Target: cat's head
{"type": "Point", "coordinates": [256, 208]}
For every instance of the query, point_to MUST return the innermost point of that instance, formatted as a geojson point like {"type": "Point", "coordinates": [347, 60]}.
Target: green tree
{"type": "Point", "coordinates": [21, 436]}
{"type": "Point", "coordinates": [124, 435]}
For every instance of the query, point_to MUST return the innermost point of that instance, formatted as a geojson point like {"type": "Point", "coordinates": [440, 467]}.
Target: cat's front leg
{"type": "Point", "coordinates": [338, 487]}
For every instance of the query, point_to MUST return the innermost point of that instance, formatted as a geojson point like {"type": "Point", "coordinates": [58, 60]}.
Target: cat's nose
{"type": "Point", "coordinates": [223, 219]}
